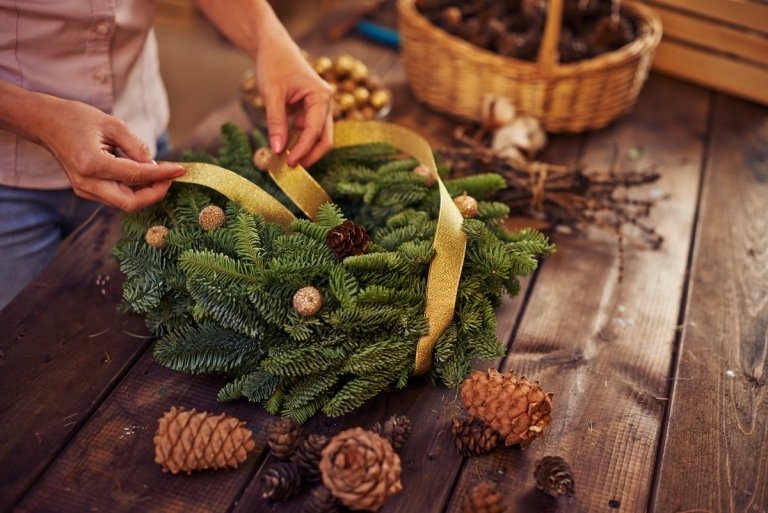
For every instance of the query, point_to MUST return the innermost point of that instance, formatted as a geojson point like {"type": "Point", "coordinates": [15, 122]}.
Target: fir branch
{"type": "Point", "coordinates": [308, 390]}
{"type": "Point", "coordinates": [329, 216]}
{"type": "Point", "coordinates": [302, 362]}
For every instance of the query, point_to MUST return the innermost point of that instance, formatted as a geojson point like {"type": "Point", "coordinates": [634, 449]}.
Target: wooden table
{"type": "Point", "coordinates": [660, 382]}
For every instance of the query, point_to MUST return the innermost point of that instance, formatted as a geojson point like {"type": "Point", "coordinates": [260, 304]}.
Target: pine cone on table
{"type": "Point", "coordinates": [514, 407]}
{"type": "Point", "coordinates": [554, 477]}
{"type": "Point", "coordinates": [320, 500]}
{"type": "Point", "coordinates": [307, 456]}
{"type": "Point", "coordinates": [396, 429]}
{"type": "Point", "coordinates": [188, 440]}
{"type": "Point", "coordinates": [281, 481]}
{"type": "Point", "coordinates": [484, 498]}
{"type": "Point", "coordinates": [284, 438]}
{"type": "Point", "coordinates": [347, 239]}
{"type": "Point", "coordinates": [361, 469]}
{"type": "Point", "coordinates": [473, 438]}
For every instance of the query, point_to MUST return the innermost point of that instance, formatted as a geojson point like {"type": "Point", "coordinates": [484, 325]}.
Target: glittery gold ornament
{"type": "Point", "coordinates": [346, 101]}
{"type": "Point", "coordinates": [261, 158]}
{"type": "Point", "coordinates": [427, 174]}
{"type": "Point", "coordinates": [380, 98]}
{"type": "Point", "coordinates": [157, 236]}
{"type": "Point", "coordinates": [361, 94]}
{"type": "Point", "coordinates": [467, 205]}
{"type": "Point", "coordinates": [211, 217]}
{"type": "Point", "coordinates": [359, 71]}
{"type": "Point", "coordinates": [323, 65]}
{"type": "Point", "coordinates": [307, 301]}
{"type": "Point", "coordinates": [344, 64]}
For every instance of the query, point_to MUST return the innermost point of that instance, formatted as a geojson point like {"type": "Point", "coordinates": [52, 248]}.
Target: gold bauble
{"type": "Point", "coordinates": [261, 158]}
{"type": "Point", "coordinates": [425, 172]}
{"type": "Point", "coordinates": [361, 94]}
{"type": "Point", "coordinates": [307, 301]}
{"type": "Point", "coordinates": [346, 101]}
{"type": "Point", "coordinates": [157, 236]}
{"type": "Point", "coordinates": [380, 98]}
{"type": "Point", "coordinates": [323, 65]}
{"type": "Point", "coordinates": [467, 205]}
{"type": "Point", "coordinates": [211, 217]}
{"type": "Point", "coordinates": [359, 71]}
{"type": "Point", "coordinates": [344, 64]}
{"type": "Point", "coordinates": [347, 85]}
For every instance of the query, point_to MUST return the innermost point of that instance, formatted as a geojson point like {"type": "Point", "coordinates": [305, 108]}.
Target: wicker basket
{"type": "Point", "coordinates": [453, 76]}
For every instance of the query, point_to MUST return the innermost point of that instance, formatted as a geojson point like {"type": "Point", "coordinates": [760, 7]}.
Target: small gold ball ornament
{"type": "Point", "coordinates": [429, 176]}
{"type": "Point", "coordinates": [307, 301]}
{"type": "Point", "coordinates": [323, 65]}
{"type": "Point", "coordinates": [359, 71]}
{"type": "Point", "coordinates": [157, 236]}
{"type": "Point", "coordinates": [344, 64]}
{"type": "Point", "coordinates": [380, 99]}
{"type": "Point", "coordinates": [346, 101]}
{"type": "Point", "coordinates": [211, 217]}
{"type": "Point", "coordinates": [467, 205]}
{"type": "Point", "coordinates": [261, 158]}
{"type": "Point", "coordinates": [361, 94]}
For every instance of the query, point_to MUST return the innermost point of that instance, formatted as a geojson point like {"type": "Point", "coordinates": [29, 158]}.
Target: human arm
{"type": "Point", "coordinates": [284, 77]}
{"type": "Point", "coordinates": [83, 139]}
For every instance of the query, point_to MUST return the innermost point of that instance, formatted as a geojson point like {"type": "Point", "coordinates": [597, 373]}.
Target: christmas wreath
{"type": "Point", "coordinates": [323, 314]}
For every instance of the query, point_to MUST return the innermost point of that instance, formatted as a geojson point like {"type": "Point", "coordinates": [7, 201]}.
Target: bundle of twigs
{"type": "Point", "coordinates": [565, 197]}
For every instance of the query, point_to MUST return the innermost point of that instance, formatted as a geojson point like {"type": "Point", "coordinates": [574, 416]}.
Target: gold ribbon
{"type": "Point", "coordinates": [450, 240]}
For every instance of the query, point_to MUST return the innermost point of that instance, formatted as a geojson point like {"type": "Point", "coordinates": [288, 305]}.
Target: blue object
{"type": "Point", "coordinates": [382, 35]}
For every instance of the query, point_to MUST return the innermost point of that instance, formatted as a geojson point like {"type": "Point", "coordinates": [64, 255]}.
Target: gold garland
{"type": "Point", "coordinates": [450, 240]}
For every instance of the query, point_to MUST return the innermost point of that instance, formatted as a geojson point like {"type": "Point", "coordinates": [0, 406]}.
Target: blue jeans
{"type": "Point", "coordinates": [32, 224]}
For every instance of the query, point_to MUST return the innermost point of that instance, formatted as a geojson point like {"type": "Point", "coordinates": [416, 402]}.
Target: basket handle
{"type": "Point", "coordinates": [548, 51]}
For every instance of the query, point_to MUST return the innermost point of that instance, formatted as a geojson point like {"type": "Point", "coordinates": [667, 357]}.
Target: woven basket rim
{"type": "Point", "coordinates": [650, 35]}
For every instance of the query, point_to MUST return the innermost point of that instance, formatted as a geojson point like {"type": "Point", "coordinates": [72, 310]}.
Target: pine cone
{"type": "Point", "coordinates": [515, 408]}
{"type": "Point", "coordinates": [361, 469]}
{"type": "Point", "coordinates": [284, 437]}
{"type": "Point", "coordinates": [281, 481]}
{"type": "Point", "coordinates": [396, 430]}
{"type": "Point", "coordinates": [347, 239]}
{"type": "Point", "coordinates": [473, 438]}
{"type": "Point", "coordinates": [187, 441]}
{"type": "Point", "coordinates": [554, 477]}
{"type": "Point", "coordinates": [320, 500]}
{"type": "Point", "coordinates": [307, 456]}
{"type": "Point", "coordinates": [484, 498]}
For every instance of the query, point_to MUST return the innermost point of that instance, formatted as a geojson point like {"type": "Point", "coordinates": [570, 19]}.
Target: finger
{"type": "Point", "coordinates": [128, 142]}
{"type": "Point", "coordinates": [315, 121]}
{"type": "Point", "coordinates": [324, 144]}
{"type": "Point", "coordinates": [134, 173]}
{"type": "Point", "coordinates": [277, 122]}
{"type": "Point", "coordinates": [125, 198]}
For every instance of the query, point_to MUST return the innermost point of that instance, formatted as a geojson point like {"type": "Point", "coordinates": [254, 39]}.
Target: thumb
{"type": "Point", "coordinates": [129, 143]}
{"type": "Point", "coordinates": [277, 123]}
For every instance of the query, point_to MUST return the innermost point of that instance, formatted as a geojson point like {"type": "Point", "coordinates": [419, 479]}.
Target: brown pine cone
{"type": "Point", "coordinates": [473, 438]}
{"type": "Point", "coordinates": [554, 477]}
{"type": "Point", "coordinates": [515, 408]}
{"type": "Point", "coordinates": [396, 429]}
{"type": "Point", "coordinates": [281, 481]}
{"type": "Point", "coordinates": [347, 239]}
{"type": "Point", "coordinates": [307, 456]}
{"type": "Point", "coordinates": [320, 500]}
{"type": "Point", "coordinates": [284, 437]}
{"type": "Point", "coordinates": [361, 469]}
{"type": "Point", "coordinates": [188, 440]}
{"type": "Point", "coordinates": [484, 498]}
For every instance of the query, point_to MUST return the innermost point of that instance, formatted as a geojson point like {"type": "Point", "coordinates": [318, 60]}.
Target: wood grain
{"type": "Point", "coordinates": [63, 346]}
{"type": "Point", "coordinates": [603, 347]}
{"type": "Point", "coordinates": [715, 452]}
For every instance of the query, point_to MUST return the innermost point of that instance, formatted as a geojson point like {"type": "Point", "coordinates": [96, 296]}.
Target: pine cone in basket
{"type": "Point", "coordinates": [361, 469]}
{"type": "Point", "coordinates": [484, 498]}
{"type": "Point", "coordinates": [188, 440]}
{"type": "Point", "coordinates": [347, 239]}
{"type": "Point", "coordinates": [284, 437]}
{"type": "Point", "coordinates": [396, 429]}
{"type": "Point", "coordinates": [307, 456]}
{"type": "Point", "coordinates": [514, 407]}
{"type": "Point", "coordinates": [473, 438]}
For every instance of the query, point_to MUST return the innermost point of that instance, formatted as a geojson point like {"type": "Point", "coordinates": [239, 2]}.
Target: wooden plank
{"type": "Point", "coordinates": [603, 347]}
{"type": "Point", "coordinates": [714, 35]}
{"type": "Point", "coordinates": [109, 465]}
{"type": "Point", "coordinates": [716, 71]}
{"type": "Point", "coordinates": [746, 13]}
{"type": "Point", "coordinates": [61, 335]}
{"type": "Point", "coordinates": [715, 452]}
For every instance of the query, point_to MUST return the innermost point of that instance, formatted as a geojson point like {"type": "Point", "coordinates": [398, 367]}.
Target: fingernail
{"type": "Point", "coordinates": [179, 172]}
{"type": "Point", "coordinates": [276, 142]}
{"type": "Point", "coordinates": [154, 161]}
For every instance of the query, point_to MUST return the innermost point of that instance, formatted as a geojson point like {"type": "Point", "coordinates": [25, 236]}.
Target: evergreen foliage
{"type": "Point", "coordinates": [221, 301]}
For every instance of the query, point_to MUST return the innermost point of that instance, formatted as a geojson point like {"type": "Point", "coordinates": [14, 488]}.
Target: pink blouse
{"type": "Point", "coordinates": [101, 52]}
